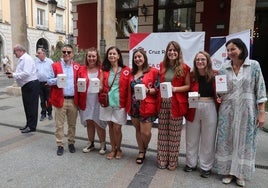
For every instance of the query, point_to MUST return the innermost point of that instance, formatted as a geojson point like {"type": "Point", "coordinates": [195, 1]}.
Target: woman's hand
{"type": "Point", "coordinates": [260, 119]}
{"type": "Point", "coordinates": [219, 99]}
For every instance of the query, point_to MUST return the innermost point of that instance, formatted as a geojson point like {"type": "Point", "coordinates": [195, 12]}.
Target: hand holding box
{"type": "Point", "coordinates": [61, 80]}
{"type": "Point", "coordinates": [193, 99]}
{"type": "Point", "coordinates": [81, 85]}
{"type": "Point", "coordinates": [94, 85]}
{"type": "Point", "coordinates": [165, 89]}
{"type": "Point", "coordinates": [221, 84]}
{"type": "Point", "coordinates": [140, 91]}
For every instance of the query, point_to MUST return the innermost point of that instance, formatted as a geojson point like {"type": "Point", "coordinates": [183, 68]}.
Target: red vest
{"type": "Point", "coordinates": [56, 94]}
{"type": "Point", "coordinates": [179, 100]}
{"type": "Point", "coordinates": [123, 85]}
{"type": "Point", "coordinates": [82, 96]}
{"type": "Point", "coordinates": [148, 106]}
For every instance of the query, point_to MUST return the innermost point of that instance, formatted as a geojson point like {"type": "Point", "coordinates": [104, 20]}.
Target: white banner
{"type": "Point", "coordinates": [155, 45]}
{"type": "Point", "coordinates": [218, 50]}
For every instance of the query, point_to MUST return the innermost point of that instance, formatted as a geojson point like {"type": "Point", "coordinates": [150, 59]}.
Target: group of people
{"type": "Point", "coordinates": [220, 131]}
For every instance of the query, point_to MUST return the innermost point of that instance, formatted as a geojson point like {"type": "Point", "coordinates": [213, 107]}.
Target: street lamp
{"type": "Point", "coordinates": [144, 10]}
{"type": "Point", "coordinates": [52, 6]}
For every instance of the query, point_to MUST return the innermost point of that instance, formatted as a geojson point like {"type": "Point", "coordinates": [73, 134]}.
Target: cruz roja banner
{"type": "Point", "coordinates": [218, 50]}
{"type": "Point", "coordinates": [155, 45]}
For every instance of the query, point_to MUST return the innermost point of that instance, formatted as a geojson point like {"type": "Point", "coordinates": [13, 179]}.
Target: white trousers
{"type": "Point", "coordinates": [201, 135]}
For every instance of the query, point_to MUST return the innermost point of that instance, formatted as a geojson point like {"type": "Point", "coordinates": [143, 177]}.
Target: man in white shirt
{"type": "Point", "coordinates": [26, 78]}
{"type": "Point", "coordinates": [43, 66]}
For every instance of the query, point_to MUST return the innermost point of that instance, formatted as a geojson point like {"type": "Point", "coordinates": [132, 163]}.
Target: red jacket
{"type": "Point", "coordinates": [179, 100]}
{"type": "Point", "coordinates": [82, 96]}
{"type": "Point", "coordinates": [56, 94]}
{"type": "Point", "coordinates": [195, 87]}
{"type": "Point", "coordinates": [148, 106]}
{"type": "Point", "coordinates": [123, 85]}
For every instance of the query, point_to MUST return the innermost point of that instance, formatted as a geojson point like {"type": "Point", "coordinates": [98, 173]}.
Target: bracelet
{"type": "Point", "coordinates": [261, 110]}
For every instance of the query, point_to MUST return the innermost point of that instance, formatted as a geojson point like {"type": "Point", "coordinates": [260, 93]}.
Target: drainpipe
{"type": "Point", "coordinates": [102, 40]}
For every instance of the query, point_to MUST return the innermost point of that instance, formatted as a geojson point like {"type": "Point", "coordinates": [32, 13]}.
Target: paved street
{"type": "Point", "coordinates": [30, 160]}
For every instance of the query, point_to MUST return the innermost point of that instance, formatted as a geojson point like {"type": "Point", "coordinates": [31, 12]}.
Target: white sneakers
{"type": "Point", "coordinates": [102, 148]}
{"type": "Point", "coordinates": [228, 179]}
{"type": "Point", "coordinates": [240, 182]}
{"type": "Point", "coordinates": [90, 147]}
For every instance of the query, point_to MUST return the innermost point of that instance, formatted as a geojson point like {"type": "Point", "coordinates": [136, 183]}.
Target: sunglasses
{"type": "Point", "coordinates": [67, 52]}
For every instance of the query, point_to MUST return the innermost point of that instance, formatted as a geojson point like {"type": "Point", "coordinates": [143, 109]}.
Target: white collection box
{"type": "Point", "coordinates": [140, 91]}
{"type": "Point", "coordinates": [94, 85]}
{"type": "Point", "coordinates": [61, 80]}
{"type": "Point", "coordinates": [81, 85]}
{"type": "Point", "coordinates": [221, 83]}
{"type": "Point", "coordinates": [193, 99]}
{"type": "Point", "coordinates": [165, 89]}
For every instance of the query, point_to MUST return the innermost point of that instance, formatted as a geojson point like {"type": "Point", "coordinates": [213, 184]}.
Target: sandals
{"type": "Point", "coordinates": [172, 168]}
{"type": "Point", "coordinates": [140, 160]}
{"type": "Point", "coordinates": [118, 154]}
{"type": "Point", "coordinates": [111, 155]}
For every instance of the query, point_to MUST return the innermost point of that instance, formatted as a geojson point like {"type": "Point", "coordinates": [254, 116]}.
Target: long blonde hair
{"type": "Point", "coordinates": [178, 65]}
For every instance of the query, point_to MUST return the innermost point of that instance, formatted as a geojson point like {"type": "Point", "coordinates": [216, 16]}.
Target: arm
{"type": "Point", "coordinates": [101, 80]}
{"type": "Point", "coordinates": [51, 77]}
{"type": "Point", "coordinates": [261, 115]}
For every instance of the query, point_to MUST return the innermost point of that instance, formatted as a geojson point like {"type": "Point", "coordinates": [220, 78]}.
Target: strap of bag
{"type": "Point", "coordinates": [113, 80]}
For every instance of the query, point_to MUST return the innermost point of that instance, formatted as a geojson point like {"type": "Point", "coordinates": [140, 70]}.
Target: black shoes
{"type": "Point", "coordinates": [27, 130]}
{"type": "Point", "coordinates": [22, 128]}
{"type": "Point", "coordinates": [42, 118]}
{"type": "Point", "coordinates": [71, 148]}
{"type": "Point", "coordinates": [60, 151]}
{"type": "Point", "coordinates": [205, 173]}
{"type": "Point", "coordinates": [189, 169]}
{"type": "Point", "coordinates": [50, 117]}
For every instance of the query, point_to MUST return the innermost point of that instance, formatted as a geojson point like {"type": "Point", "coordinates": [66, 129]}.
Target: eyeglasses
{"type": "Point", "coordinates": [67, 52]}
{"type": "Point", "coordinates": [201, 59]}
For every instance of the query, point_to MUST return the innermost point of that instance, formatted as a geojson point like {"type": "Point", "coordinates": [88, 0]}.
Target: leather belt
{"type": "Point", "coordinates": [205, 99]}
{"type": "Point", "coordinates": [68, 97]}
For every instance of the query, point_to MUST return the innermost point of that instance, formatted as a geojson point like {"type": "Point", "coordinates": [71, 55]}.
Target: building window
{"type": "Point", "coordinates": [61, 3]}
{"type": "Point", "coordinates": [126, 17]}
{"type": "Point", "coordinates": [40, 17]}
{"type": "Point", "coordinates": [175, 15]}
{"type": "Point", "coordinates": [59, 23]}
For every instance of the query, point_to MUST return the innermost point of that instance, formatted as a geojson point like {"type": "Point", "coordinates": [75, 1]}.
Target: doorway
{"type": "Point", "coordinates": [260, 41]}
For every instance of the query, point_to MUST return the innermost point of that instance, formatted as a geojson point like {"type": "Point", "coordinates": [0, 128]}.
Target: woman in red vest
{"type": "Point", "coordinates": [115, 83]}
{"type": "Point", "coordinates": [143, 112]}
{"type": "Point", "coordinates": [89, 105]}
{"type": "Point", "coordinates": [174, 70]}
